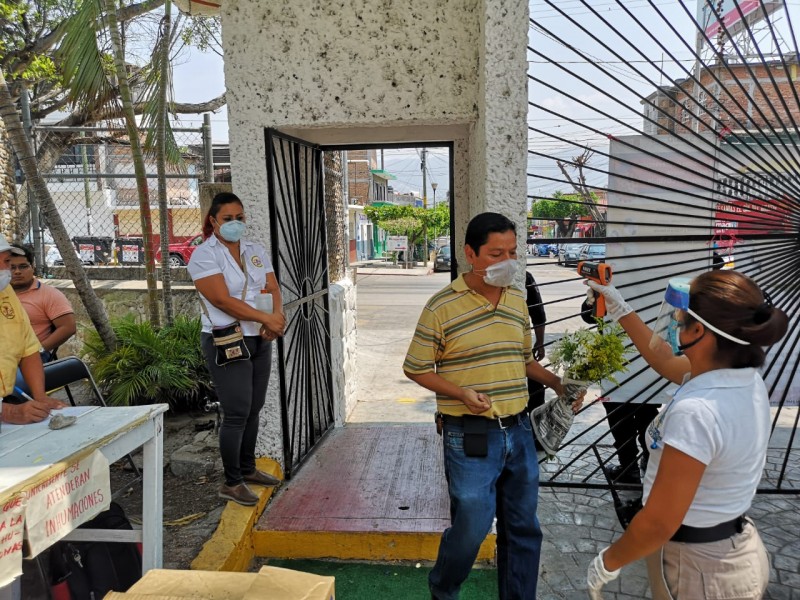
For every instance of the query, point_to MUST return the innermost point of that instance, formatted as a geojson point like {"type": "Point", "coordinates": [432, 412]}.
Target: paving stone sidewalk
{"type": "Point", "coordinates": [578, 523]}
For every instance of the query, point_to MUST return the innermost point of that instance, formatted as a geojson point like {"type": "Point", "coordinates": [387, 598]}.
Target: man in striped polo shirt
{"type": "Point", "coordinates": [472, 346]}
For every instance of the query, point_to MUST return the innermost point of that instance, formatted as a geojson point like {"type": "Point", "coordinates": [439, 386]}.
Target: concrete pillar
{"type": "Point", "coordinates": [374, 71]}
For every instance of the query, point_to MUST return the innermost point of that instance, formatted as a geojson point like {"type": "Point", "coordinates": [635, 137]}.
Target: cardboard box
{"type": "Point", "coordinates": [272, 583]}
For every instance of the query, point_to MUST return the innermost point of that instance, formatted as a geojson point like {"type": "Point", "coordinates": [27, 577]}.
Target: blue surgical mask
{"type": "Point", "coordinates": [232, 231]}
{"type": "Point", "coordinates": [673, 335]}
{"type": "Point", "coordinates": [5, 279]}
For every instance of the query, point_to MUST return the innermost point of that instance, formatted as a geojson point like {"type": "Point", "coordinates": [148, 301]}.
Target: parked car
{"type": "Point", "coordinates": [568, 254]}
{"type": "Point", "coordinates": [546, 250]}
{"type": "Point", "coordinates": [53, 258]}
{"type": "Point", "coordinates": [593, 252]}
{"type": "Point", "coordinates": [442, 262]}
{"type": "Point", "coordinates": [181, 252]}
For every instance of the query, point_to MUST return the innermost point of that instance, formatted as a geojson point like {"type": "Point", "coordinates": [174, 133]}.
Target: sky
{"type": "Point", "coordinates": [561, 53]}
{"type": "Point", "coordinates": [552, 38]}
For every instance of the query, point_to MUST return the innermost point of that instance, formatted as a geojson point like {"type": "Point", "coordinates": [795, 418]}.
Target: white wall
{"type": "Point", "coordinates": [362, 71]}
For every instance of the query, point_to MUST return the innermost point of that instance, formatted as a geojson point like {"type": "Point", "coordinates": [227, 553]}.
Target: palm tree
{"type": "Point", "coordinates": [86, 74]}
{"type": "Point", "coordinates": [24, 151]}
{"type": "Point", "coordinates": [160, 142]}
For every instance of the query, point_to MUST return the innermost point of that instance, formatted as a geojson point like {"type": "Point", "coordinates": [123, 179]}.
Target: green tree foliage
{"type": "Point", "coordinates": [151, 364]}
{"type": "Point", "coordinates": [400, 220]}
{"type": "Point", "coordinates": [439, 220]}
{"type": "Point", "coordinates": [31, 31]}
{"type": "Point", "coordinates": [411, 221]}
{"type": "Point", "coordinates": [564, 209]}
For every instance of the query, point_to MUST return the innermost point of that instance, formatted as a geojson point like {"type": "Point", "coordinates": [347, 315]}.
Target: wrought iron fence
{"type": "Point", "coordinates": [668, 140]}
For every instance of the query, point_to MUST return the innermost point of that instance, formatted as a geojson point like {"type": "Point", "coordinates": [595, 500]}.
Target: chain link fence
{"type": "Point", "coordinates": [93, 186]}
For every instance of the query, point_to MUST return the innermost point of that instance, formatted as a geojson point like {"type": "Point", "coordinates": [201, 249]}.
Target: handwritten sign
{"type": "Point", "coordinates": [69, 497]}
{"type": "Point", "coordinates": [11, 527]}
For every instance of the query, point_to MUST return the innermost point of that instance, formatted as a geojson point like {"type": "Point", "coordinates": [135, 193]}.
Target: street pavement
{"type": "Point", "coordinates": [577, 522]}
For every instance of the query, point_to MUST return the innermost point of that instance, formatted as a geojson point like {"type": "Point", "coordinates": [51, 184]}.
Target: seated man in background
{"type": "Point", "coordinates": [49, 311]}
{"type": "Point", "coordinates": [20, 349]}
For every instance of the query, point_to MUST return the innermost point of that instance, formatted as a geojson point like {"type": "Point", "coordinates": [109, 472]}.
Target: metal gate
{"type": "Point", "coordinates": [668, 140]}
{"type": "Point", "coordinates": [300, 257]}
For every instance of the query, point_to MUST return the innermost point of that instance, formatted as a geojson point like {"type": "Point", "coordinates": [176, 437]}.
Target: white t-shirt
{"type": "Point", "coordinates": [211, 258]}
{"type": "Point", "coordinates": [722, 419]}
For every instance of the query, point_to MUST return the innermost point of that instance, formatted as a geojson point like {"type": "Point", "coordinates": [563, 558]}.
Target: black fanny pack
{"type": "Point", "coordinates": [229, 344]}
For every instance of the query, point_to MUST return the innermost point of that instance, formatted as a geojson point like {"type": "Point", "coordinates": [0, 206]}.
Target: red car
{"type": "Point", "coordinates": [181, 252]}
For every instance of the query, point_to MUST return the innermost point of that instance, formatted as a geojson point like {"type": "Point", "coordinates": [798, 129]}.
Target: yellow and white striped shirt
{"type": "Point", "coordinates": [467, 341]}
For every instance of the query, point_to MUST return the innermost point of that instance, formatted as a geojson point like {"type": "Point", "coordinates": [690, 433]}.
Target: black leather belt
{"type": "Point", "coordinates": [704, 535]}
{"type": "Point", "coordinates": [499, 422]}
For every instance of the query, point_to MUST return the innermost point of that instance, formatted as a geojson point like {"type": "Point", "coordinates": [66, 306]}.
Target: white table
{"type": "Point", "coordinates": [29, 452]}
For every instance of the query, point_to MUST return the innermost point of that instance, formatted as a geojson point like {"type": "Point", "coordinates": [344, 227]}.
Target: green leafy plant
{"type": "Point", "coordinates": [151, 365]}
{"type": "Point", "coordinates": [591, 355]}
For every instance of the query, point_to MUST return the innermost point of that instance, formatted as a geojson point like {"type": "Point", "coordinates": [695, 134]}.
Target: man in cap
{"type": "Point", "coordinates": [20, 350]}
{"type": "Point", "coordinates": [49, 311]}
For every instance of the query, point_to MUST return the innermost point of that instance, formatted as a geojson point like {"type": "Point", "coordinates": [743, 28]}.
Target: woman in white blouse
{"type": "Point", "coordinates": [228, 272]}
{"type": "Point", "coordinates": [708, 445]}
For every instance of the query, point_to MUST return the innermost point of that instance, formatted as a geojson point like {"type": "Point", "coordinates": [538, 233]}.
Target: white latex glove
{"type": "Point", "coordinates": [616, 307]}
{"type": "Point", "coordinates": [598, 576]}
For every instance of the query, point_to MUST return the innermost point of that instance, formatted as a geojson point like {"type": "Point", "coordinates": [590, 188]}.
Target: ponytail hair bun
{"type": "Point", "coordinates": [735, 304]}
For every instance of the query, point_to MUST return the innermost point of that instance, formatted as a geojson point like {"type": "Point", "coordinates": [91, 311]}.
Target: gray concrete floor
{"type": "Point", "coordinates": [577, 523]}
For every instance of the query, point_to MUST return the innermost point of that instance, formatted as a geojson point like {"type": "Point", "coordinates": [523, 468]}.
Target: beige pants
{"type": "Point", "coordinates": [736, 568]}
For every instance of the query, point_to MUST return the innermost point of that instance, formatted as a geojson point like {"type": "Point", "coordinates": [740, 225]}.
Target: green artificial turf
{"type": "Point", "coordinates": [369, 581]}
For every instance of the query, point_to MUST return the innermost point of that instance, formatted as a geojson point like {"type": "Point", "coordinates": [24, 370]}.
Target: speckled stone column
{"type": "Point", "coordinates": [8, 190]}
{"type": "Point", "coordinates": [379, 71]}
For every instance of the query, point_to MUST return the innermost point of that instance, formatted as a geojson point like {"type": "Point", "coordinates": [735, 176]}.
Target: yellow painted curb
{"type": "Point", "coordinates": [236, 542]}
{"type": "Point", "coordinates": [231, 546]}
{"type": "Point", "coordinates": [356, 545]}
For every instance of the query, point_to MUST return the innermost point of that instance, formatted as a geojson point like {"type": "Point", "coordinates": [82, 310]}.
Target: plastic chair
{"type": "Point", "coordinates": [64, 371]}
{"type": "Point", "coordinates": [60, 373]}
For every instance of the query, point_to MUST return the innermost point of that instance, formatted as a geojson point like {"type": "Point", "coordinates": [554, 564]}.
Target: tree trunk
{"type": "Point", "coordinates": [22, 148]}
{"type": "Point", "coordinates": [335, 217]}
{"type": "Point", "coordinates": [8, 188]}
{"type": "Point", "coordinates": [585, 192]}
{"type": "Point", "coordinates": [109, 9]}
{"type": "Point", "coordinates": [566, 227]}
{"type": "Point", "coordinates": [161, 162]}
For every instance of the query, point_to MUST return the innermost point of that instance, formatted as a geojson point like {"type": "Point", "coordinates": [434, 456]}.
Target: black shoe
{"type": "Point", "coordinates": [616, 474]}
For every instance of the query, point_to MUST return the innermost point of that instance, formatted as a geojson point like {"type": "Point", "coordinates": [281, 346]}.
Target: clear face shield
{"type": "Point", "coordinates": [672, 314]}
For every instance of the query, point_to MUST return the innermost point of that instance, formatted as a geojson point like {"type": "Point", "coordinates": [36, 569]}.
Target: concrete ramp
{"type": "Point", "coordinates": [369, 492]}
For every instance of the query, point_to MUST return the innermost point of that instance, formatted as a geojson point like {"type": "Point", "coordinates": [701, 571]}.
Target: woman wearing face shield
{"type": "Point", "coordinates": [707, 446]}
{"type": "Point", "coordinates": [229, 271]}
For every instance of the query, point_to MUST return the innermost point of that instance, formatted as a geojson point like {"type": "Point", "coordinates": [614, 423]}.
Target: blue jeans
{"type": "Point", "coordinates": [504, 483]}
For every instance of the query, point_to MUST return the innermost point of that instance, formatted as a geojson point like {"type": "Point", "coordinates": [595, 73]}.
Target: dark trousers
{"type": "Point", "coordinates": [628, 422]}
{"type": "Point", "coordinates": [241, 388]}
{"type": "Point", "coordinates": [535, 394]}
{"type": "Point", "coordinates": [535, 400]}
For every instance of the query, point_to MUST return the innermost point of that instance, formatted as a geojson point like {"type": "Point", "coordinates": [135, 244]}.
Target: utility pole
{"type": "Point", "coordinates": [434, 185]}
{"type": "Point", "coordinates": [425, 204]}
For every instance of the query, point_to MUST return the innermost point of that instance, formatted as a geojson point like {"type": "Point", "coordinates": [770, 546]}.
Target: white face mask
{"type": "Point", "coordinates": [501, 274]}
{"type": "Point", "coordinates": [5, 278]}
